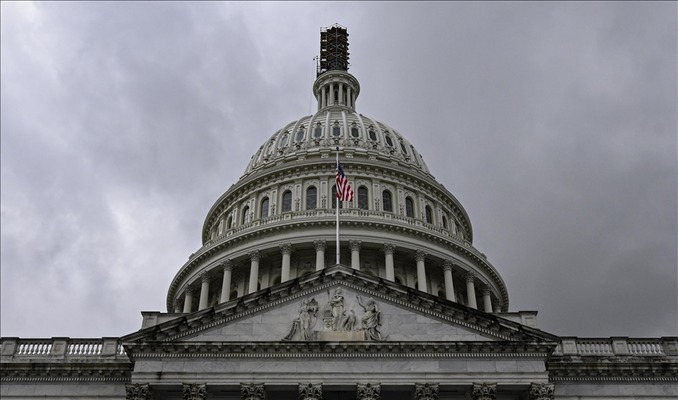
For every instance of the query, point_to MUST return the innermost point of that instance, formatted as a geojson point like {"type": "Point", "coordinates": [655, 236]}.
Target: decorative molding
{"type": "Point", "coordinates": [389, 248]}
{"type": "Point", "coordinates": [194, 391]}
{"type": "Point", "coordinates": [204, 277]}
{"type": "Point", "coordinates": [254, 255]}
{"type": "Point", "coordinates": [310, 391]}
{"type": "Point", "coordinates": [138, 391]}
{"type": "Point", "coordinates": [252, 391]}
{"type": "Point", "coordinates": [447, 265]}
{"type": "Point", "coordinates": [541, 391]}
{"type": "Point", "coordinates": [484, 391]}
{"type": "Point", "coordinates": [354, 245]}
{"type": "Point", "coordinates": [286, 248]}
{"type": "Point", "coordinates": [227, 264]}
{"type": "Point", "coordinates": [470, 277]}
{"type": "Point", "coordinates": [420, 255]}
{"type": "Point", "coordinates": [426, 391]}
{"type": "Point", "coordinates": [320, 245]}
{"type": "Point", "coordinates": [368, 391]}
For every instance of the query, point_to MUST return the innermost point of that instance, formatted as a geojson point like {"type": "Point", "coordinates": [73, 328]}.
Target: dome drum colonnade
{"type": "Point", "coordinates": [402, 226]}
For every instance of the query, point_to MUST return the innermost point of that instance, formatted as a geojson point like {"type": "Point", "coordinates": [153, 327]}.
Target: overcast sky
{"type": "Point", "coordinates": [553, 123]}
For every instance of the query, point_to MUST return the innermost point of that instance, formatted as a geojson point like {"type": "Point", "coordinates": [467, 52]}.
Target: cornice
{"type": "Point", "coordinates": [613, 369]}
{"type": "Point", "coordinates": [329, 350]}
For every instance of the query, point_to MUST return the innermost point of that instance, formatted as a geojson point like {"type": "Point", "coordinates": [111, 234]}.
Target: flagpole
{"type": "Point", "coordinates": [336, 200]}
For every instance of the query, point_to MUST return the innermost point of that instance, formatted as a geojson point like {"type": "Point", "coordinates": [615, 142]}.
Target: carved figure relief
{"type": "Point", "coordinates": [339, 322]}
{"type": "Point", "coordinates": [303, 325]}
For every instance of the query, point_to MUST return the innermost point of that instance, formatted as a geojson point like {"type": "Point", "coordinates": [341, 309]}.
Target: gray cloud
{"type": "Point", "coordinates": [553, 123]}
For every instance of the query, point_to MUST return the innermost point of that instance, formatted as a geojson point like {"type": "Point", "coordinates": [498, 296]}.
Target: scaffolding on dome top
{"type": "Point", "coordinates": [334, 53]}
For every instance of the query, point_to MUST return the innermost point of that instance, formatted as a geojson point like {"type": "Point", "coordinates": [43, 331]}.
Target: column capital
{"type": "Point", "coordinates": [194, 391]}
{"type": "Point", "coordinates": [486, 291]}
{"type": "Point", "coordinates": [420, 255]}
{"type": "Point", "coordinates": [369, 392]}
{"type": "Point", "coordinates": [286, 248]}
{"type": "Point", "coordinates": [188, 290]}
{"type": "Point", "coordinates": [252, 391]}
{"type": "Point", "coordinates": [138, 391]}
{"type": "Point", "coordinates": [470, 277]}
{"type": "Point", "coordinates": [320, 245]}
{"type": "Point", "coordinates": [354, 245]}
{"type": "Point", "coordinates": [254, 255]}
{"type": "Point", "coordinates": [541, 391]}
{"type": "Point", "coordinates": [227, 264]}
{"type": "Point", "coordinates": [484, 391]}
{"type": "Point", "coordinates": [310, 391]}
{"type": "Point", "coordinates": [447, 265]}
{"type": "Point", "coordinates": [204, 277]}
{"type": "Point", "coordinates": [426, 391]}
{"type": "Point", "coordinates": [389, 248]}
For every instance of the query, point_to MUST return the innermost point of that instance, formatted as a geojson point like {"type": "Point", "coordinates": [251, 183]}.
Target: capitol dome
{"type": "Point", "coordinates": [279, 221]}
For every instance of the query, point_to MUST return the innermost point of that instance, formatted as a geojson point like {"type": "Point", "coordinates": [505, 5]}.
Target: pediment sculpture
{"type": "Point", "coordinates": [338, 321]}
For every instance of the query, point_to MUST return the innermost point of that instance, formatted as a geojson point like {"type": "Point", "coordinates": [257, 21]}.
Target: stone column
{"type": "Point", "coordinates": [349, 96]}
{"type": "Point", "coordinates": [177, 306]}
{"type": "Point", "coordinates": [542, 391]}
{"type": "Point", "coordinates": [138, 391]}
{"type": "Point", "coordinates": [320, 246]}
{"type": "Point", "coordinates": [194, 391]}
{"type": "Point", "coordinates": [324, 98]}
{"type": "Point", "coordinates": [449, 283]}
{"type": "Point", "coordinates": [310, 391]}
{"type": "Point", "coordinates": [226, 283]}
{"type": "Point", "coordinates": [188, 299]}
{"type": "Point", "coordinates": [389, 249]}
{"type": "Point", "coordinates": [354, 245]}
{"type": "Point", "coordinates": [252, 391]}
{"type": "Point", "coordinates": [487, 300]}
{"type": "Point", "coordinates": [420, 256]}
{"type": "Point", "coordinates": [484, 391]}
{"type": "Point", "coordinates": [341, 93]}
{"type": "Point", "coordinates": [471, 290]}
{"type": "Point", "coordinates": [425, 391]}
{"type": "Point", "coordinates": [204, 290]}
{"type": "Point", "coordinates": [369, 392]}
{"type": "Point", "coordinates": [286, 250]}
{"type": "Point", "coordinates": [254, 270]}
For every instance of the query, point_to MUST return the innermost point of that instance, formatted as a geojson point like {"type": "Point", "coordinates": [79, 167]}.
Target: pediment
{"type": "Point", "coordinates": [339, 305]}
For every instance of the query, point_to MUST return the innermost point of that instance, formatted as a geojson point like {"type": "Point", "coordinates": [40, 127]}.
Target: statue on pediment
{"type": "Point", "coordinates": [302, 327]}
{"type": "Point", "coordinates": [371, 320]}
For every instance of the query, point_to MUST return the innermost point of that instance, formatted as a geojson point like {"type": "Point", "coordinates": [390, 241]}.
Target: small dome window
{"type": "Point", "coordinates": [372, 134]}
{"type": "Point", "coordinates": [245, 214]}
{"type": "Point", "coordinates": [355, 132]}
{"type": "Point", "coordinates": [284, 140]}
{"type": "Point", "coordinates": [287, 201]}
{"type": "Point", "coordinates": [386, 203]}
{"type": "Point", "coordinates": [429, 215]}
{"type": "Point", "coordinates": [300, 134]}
{"type": "Point", "coordinates": [387, 137]}
{"type": "Point", "coordinates": [311, 198]}
{"type": "Point", "coordinates": [403, 148]}
{"type": "Point", "coordinates": [409, 207]}
{"type": "Point", "coordinates": [336, 130]}
{"type": "Point", "coordinates": [363, 201]}
{"type": "Point", "coordinates": [318, 131]}
{"type": "Point", "coordinates": [264, 208]}
{"type": "Point", "coordinates": [444, 222]}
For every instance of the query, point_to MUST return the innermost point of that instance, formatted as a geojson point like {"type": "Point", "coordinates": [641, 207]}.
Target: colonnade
{"type": "Point", "coordinates": [320, 246]}
{"type": "Point", "coordinates": [364, 391]}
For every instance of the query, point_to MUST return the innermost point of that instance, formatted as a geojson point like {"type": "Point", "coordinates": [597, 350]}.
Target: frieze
{"type": "Point", "coordinates": [67, 372]}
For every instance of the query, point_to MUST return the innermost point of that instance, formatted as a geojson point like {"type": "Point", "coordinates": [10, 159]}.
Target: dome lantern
{"type": "Point", "coordinates": [334, 86]}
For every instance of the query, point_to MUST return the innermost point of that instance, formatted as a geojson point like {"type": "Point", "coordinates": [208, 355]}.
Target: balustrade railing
{"type": "Point", "coordinates": [617, 347]}
{"type": "Point", "coordinates": [61, 348]}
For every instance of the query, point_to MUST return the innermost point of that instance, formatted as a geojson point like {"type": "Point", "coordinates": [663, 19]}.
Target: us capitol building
{"type": "Point", "coordinates": [412, 312]}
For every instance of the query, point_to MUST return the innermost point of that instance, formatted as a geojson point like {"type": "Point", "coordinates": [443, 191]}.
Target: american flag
{"type": "Point", "coordinates": [344, 191]}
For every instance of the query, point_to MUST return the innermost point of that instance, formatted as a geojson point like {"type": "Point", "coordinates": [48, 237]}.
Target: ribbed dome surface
{"type": "Point", "coordinates": [331, 127]}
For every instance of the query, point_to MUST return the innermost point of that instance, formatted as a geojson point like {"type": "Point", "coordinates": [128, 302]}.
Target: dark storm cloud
{"type": "Point", "coordinates": [553, 123]}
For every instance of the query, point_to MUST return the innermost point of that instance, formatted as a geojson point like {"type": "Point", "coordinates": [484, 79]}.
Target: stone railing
{"type": "Point", "coordinates": [16, 349]}
{"type": "Point", "coordinates": [618, 346]}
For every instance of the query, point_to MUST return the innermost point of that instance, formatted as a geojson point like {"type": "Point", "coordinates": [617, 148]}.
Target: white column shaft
{"type": "Point", "coordinates": [204, 294]}
{"type": "Point", "coordinates": [285, 273]}
{"type": "Point", "coordinates": [226, 286]}
{"type": "Point", "coordinates": [390, 270]}
{"type": "Point", "coordinates": [421, 276]}
{"type": "Point", "coordinates": [188, 302]}
{"type": "Point", "coordinates": [319, 259]}
{"type": "Point", "coordinates": [449, 285]}
{"type": "Point", "coordinates": [487, 302]}
{"type": "Point", "coordinates": [471, 294]}
{"type": "Point", "coordinates": [254, 275]}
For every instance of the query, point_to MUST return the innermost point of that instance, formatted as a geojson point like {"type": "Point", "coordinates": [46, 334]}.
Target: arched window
{"type": "Point", "coordinates": [229, 222]}
{"type": "Point", "coordinates": [429, 214]}
{"type": "Point", "coordinates": [245, 214]}
{"type": "Point", "coordinates": [264, 208]}
{"type": "Point", "coordinates": [334, 198]}
{"type": "Point", "coordinates": [284, 140]}
{"type": "Point", "coordinates": [355, 133]}
{"type": "Point", "coordinates": [287, 201]}
{"type": "Point", "coordinates": [311, 198]}
{"type": "Point", "coordinates": [409, 207]}
{"type": "Point", "coordinates": [336, 130]}
{"type": "Point", "coordinates": [386, 202]}
{"type": "Point", "coordinates": [403, 149]}
{"type": "Point", "coordinates": [318, 131]}
{"type": "Point", "coordinates": [362, 198]}
{"type": "Point", "coordinates": [444, 222]}
{"type": "Point", "coordinates": [387, 137]}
